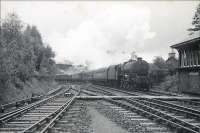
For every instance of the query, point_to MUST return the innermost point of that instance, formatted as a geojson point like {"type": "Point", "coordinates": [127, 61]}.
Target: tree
{"type": "Point", "coordinates": [11, 45]}
{"type": "Point", "coordinates": [196, 21]}
{"type": "Point", "coordinates": [172, 65]}
{"type": "Point", "coordinates": [159, 62]}
{"type": "Point", "coordinates": [22, 52]}
{"type": "Point", "coordinates": [42, 53]}
{"type": "Point", "coordinates": [35, 41]}
{"type": "Point", "coordinates": [45, 60]}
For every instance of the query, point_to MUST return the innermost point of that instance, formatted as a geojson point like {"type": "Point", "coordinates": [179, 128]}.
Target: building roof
{"type": "Point", "coordinates": [191, 39]}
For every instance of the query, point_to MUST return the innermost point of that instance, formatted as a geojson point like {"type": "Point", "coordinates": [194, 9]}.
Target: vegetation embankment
{"type": "Point", "coordinates": [169, 84]}
{"type": "Point", "coordinates": [23, 54]}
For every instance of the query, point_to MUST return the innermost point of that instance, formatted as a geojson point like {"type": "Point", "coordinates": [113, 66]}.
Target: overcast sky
{"type": "Point", "coordinates": [103, 33]}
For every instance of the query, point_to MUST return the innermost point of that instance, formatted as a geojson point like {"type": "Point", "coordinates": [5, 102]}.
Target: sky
{"type": "Point", "coordinates": [101, 33]}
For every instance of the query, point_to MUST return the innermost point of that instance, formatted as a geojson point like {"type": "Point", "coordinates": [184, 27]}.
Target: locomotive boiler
{"type": "Point", "coordinates": [134, 74]}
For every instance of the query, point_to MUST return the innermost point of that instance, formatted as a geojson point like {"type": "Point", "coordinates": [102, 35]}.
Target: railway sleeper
{"type": "Point", "coordinates": [75, 109]}
{"type": "Point", "coordinates": [13, 129]}
{"type": "Point", "coordinates": [65, 121]}
{"type": "Point", "coordinates": [8, 125]}
{"type": "Point", "coordinates": [139, 119]}
{"type": "Point", "coordinates": [53, 104]}
{"type": "Point", "coordinates": [37, 113]}
{"type": "Point", "coordinates": [175, 106]}
{"type": "Point", "coordinates": [44, 107]}
{"type": "Point", "coordinates": [70, 116]}
{"type": "Point", "coordinates": [60, 130]}
{"type": "Point", "coordinates": [71, 112]}
{"type": "Point", "coordinates": [66, 117]}
{"type": "Point", "coordinates": [42, 111]}
{"type": "Point", "coordinates": [143, 121]}
{"type": "Point", "coordinates": [148, 124]}
{"type": "Point", "coordinates": [170, 109]}
{"type": "Point", "coordinates": [156, 129]}
{"type": "Point", "coordinates": [164, 115]}
{"type": "Point", "coordinates": [172, 124]}
{"type": "Point", "coordinates": [21, 122]}
{"type": "Point", "coordinates": [65, 125]}
{"type": "Point", "coordinates": [27, 119]}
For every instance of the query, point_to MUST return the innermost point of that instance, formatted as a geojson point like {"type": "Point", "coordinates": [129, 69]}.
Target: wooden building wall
{"type": "Point", "coordinates": [189, 69]}
{"type": "Point", "coordinates": [189, 82]}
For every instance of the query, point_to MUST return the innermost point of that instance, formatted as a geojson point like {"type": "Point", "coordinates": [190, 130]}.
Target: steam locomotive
{"type": "Point", "coordinates": [130, 75]}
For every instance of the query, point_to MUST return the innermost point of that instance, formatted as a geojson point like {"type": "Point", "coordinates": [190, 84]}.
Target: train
{"type": "Point", "coordinates": [130, 75]}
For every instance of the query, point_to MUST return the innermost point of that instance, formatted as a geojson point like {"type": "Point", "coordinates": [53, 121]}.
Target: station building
{"type": "Point", "coordinates": [189, 64]}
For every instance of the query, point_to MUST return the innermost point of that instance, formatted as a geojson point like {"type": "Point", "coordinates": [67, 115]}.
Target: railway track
{"type": "Point", "coordinates": [70, 119]}
{"type": "Point", "coordinates": [130, 119]}
{"type": "Point", "coordinates": [176, 117]}
{"type": "Point", "coordinates": [8, 107]}
{"type": "Point", "coordinates": [64, 112]}
{"type": "Point", "coordinates": [34, 116]}
{"type": "Point", "coordinates": [193, 104]}
{"type": "Point", "coordinates": [134, 93]}
{"type": "Point", "coordinates": [190, 105]}
{"type": "Point", "coordinates": [4, 108]}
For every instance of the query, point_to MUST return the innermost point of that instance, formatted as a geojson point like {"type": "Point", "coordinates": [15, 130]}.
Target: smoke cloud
{"type": "Point", "coordinates": [98, 34]}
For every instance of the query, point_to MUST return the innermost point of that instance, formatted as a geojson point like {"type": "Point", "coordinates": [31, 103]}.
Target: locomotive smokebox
{"type": "Point", "coordinates": [139, 67]}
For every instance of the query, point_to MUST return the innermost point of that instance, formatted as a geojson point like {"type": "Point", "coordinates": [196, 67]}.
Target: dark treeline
{"type": "Point", "coordinates": [22, 52]}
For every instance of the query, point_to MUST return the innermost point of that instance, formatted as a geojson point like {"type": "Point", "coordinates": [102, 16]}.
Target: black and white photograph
{"type": "Point", "coordinates": [99, 66]}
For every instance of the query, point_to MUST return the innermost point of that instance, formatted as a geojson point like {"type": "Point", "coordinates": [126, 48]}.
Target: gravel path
{"type": "Point", "coordinates": [122, 120]}
{"type": "Point", "coordinates": [101, 124]}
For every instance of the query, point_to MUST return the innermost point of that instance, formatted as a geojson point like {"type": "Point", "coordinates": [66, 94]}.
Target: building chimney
{"type": "Point", "coordinates": [139, 58]}
{"type": "Point", "coordinates": [172, 54]}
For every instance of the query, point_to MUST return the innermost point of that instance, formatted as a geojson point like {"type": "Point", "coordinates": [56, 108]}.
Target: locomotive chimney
{"type": "Point", "coordinates": [133, 56]}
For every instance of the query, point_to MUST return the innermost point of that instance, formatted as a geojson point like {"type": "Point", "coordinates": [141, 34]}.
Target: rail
{"type": "Point", "coordinates": [135, 93]}
{"type": "Point", "coordinates": [56, 90]}
{"type": "Point", "coordinates": [145, 106]}
{"type": "Point", "coordinates": [7, 116]}
{"type": "Point", "coordinates": [18, 103]}
{"type": "Point", "coordinates": [53, 121]}
{"type": "Point", "coordinates": [181, 123]}
{"type": "Point", "coordinates": [29, 100]}
{"type": "Point", "coordinates": [154, 116]}
{"type": "Point", "coordinates": [51, 117]}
